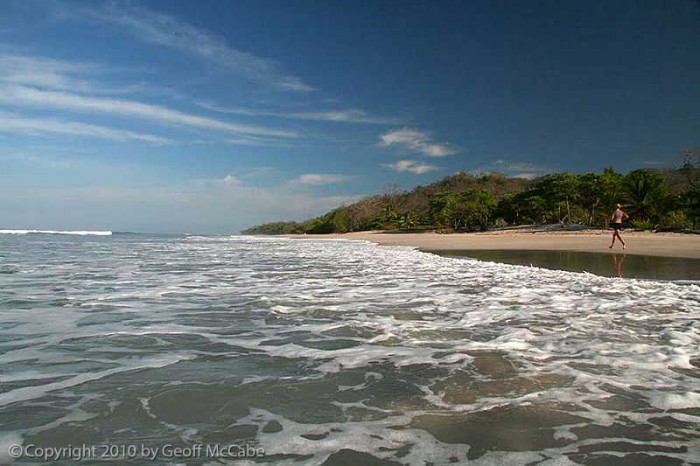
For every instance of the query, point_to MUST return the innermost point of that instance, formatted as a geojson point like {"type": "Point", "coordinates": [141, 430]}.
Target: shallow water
{"type": "Point", "coordinates": [336, 351]}
{"type": "Point", "coordinates": [607, 264]}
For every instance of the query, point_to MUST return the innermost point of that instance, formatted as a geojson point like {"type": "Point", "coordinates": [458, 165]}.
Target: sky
{"type": "Point", "coordinates": [212, 116]}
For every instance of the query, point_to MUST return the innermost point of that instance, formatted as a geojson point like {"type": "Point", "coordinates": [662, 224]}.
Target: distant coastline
{"type": "Point", "coordinates": [660, 200]}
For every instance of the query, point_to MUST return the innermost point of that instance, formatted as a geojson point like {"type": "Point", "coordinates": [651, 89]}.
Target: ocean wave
{"type": "Point", "coordinates": [324, 351]}
{"type": "Point", "coordinates": [56, 232]}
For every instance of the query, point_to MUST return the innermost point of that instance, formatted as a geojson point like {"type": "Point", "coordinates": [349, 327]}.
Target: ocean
{"type": "Point", "coordinates": [206, 349]}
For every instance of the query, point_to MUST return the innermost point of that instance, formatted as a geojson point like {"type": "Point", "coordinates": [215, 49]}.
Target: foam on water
{"type": "Point", "coordinates": [55, 232]}
{"type": "Point", "coordinates": [343, 351]}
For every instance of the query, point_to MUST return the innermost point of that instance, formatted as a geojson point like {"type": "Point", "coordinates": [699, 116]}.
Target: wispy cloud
{"type": "Point", "coordinates": [352, 115]}
{"type": "Point", "coordinates": [168, 31]}
{"type": "Point", "coordinates": [416, 141]}
{"type": "Point", "coordinates": [411, 166]}
{"type": "Point", "coordinates": [52, 74]}
{"type": "Point", "coordinates": [317, 179]}
{"type": "Point", "coordinates": [23, 95]}
{"type": "Point", "coordinates": [10, 123]}
{"type": "Point", "coordinates": [250, 141]}
{"type": "Point", "coordinates": [43, 72]}
{"type": "Point", "coordinates": [257, 142]}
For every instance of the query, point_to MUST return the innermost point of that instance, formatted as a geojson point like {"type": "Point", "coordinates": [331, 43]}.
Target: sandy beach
{"type": "Point", "coordinates": [641, 243]}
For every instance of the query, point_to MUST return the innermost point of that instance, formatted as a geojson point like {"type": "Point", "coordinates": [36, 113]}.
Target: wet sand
{"type": "Point", "coordinates": [604, 264]}
{"type": "Point", "coordinates": [638, 243]}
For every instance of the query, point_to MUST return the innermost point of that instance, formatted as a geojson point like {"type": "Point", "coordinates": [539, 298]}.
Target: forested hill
{"type": "Point", "coordinates": [465, 202]}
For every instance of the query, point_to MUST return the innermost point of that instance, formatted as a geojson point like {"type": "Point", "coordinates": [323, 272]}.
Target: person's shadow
{"type": "Point", "coordinates": [619, 265]}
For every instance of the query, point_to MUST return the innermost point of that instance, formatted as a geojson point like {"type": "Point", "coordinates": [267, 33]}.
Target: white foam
{"type": "Point", "coordinates": [7, 440]}
{"type": "Point", "coordinates": [55, 232]}
{"type": "Point", "coordinates": [37, 391]}
{"type": "Point", "coordinates": [675, 400]}
{"type": "Point", "coordinates": [550, 336]}
{"type": "Point", "coordinates": [379, 438]}
{"type": "Point", "coordinates": [563, 433]}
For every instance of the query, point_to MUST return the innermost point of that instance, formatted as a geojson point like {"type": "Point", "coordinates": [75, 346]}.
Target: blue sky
{"type": "Point", "coordinates": [210, 116]}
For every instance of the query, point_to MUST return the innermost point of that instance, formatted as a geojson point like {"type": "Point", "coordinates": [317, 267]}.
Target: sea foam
{"type": "Point", "coordinates": [56, 232]}
{"type": "Point", "coordinates": [333, 350]}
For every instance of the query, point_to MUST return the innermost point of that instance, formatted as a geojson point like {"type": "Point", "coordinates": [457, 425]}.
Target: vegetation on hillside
{"type": "Point", "coordinates": [655, 199]}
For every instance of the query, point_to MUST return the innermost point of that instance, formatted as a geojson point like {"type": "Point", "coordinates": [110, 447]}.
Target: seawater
{"type": "Point", "coordinates": [330, 352]}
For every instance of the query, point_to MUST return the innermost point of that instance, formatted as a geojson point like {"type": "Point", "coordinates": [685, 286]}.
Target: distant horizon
{"type": "Point", "coordinates": [211, 117]}
{"type": "Point", "coordinates": [239, 232]}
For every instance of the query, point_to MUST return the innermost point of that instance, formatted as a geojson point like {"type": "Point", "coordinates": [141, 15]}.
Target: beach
{"type": "Point", "coordinates": [638, 243]}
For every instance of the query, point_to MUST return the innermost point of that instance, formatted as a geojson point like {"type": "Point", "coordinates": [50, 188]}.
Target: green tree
{"type": "Point", "coordinates": [690, 199]}
{"type": "Point", "coordinates": [466, 209]}
{"type": "Point", "coordinates": [665, 198]}
{"type": "Point", "coordinates": [524, 207]}
{"type": "Point", "coordinates": [559, 190]}
{"type": "Point", "coordinates": [340, 219]}
{"type": "Point", "coordinates": [646, 195]}
{"type": "Point", "coordinates": [407, 221]}
{"type": "Point", "coordinates": [611, 187]}
{"type": "Point", "coordinates": [475, 207]}
{"type": "Point", "coordinates": [439, 206]}
{"type": "Point", "coordinates": [507, 209]}
{"type": "Point", "coordinates": [691, 168]}
{"type": "Point", "coordinates": [590, 195]}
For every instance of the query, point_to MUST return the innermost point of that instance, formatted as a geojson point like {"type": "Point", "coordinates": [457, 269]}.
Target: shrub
{"type": "Point", "coordinates": [677, 219]}
{"type": "Point", "coordinates": [643, 224]}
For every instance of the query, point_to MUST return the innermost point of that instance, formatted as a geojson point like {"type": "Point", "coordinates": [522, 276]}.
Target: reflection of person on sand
{"type": "Point", "coordinates": [617, 218]}
{"type": "Point", "coordinates": [619, 265]}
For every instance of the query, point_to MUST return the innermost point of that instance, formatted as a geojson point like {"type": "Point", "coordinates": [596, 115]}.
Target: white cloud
{"type": "Point", "coordinates": [165, 30]}
{"type": "Point", "coordinates": [345, 116]}
{"type": "Point", "coordinates": [315, 179]}
{"type": "Point", "coordinates": [242, 141]}
{"type": "Point", "coordinates": [48, 73]}
{"type": "Point", "coordinates": [416, 141]}
{"type": "Point", "coordinates": [230, 180]}
{"type": "Point", "coordinates": [352, 115]}
{"type": "Point", "coordinates": [22, 95]}
{"type": "Point", "coordinates": [45, 82]}
{"type": "Point", "coordinates": [411, 166]}
{"type": "Point", "coordinates": [256, 142]}
{"type": "Point", "coordinates": [44, 72]}
{"type": "Point", "coordinates": [291, 83]}
{"type": "Point", "coordinates": [10, 123]}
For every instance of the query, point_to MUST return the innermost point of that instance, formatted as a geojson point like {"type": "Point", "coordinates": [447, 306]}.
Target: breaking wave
{"type": "Point", "coordinates": [56, 232]}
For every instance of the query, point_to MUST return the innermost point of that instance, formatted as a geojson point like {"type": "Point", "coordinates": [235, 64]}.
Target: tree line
{"type": "Point", "coordinates": [654, 199]}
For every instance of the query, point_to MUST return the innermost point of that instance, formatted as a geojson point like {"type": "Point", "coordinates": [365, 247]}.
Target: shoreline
{"type": "Point", "coordinates": [677, 245]}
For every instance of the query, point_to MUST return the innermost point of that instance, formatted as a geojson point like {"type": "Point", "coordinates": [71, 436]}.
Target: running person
{"type": "Point", "coordinates": [617, 218]}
